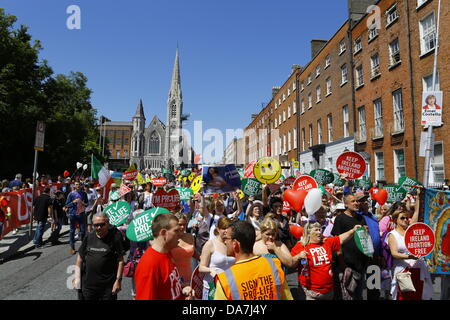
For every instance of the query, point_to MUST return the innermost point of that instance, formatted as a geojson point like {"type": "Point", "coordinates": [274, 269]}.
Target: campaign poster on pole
{"type": "Point", "coordinates": [432, 108]}
{"type": "Point", "coordinates": [351, 164]}
{"type": "Point", "coordinates": [437, 217]}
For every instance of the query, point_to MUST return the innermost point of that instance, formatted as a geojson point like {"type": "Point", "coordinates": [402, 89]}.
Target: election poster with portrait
{"type": "Point", "coordinates": [432, 108]}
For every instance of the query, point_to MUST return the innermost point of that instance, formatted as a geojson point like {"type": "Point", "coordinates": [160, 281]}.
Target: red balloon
{"type": "Point", "coordinates": [295, 198]}
{"type": "Point", "coordinates": [296, 231]}
{"type": "Point", "coordinates": [4, 202]}
{"type": "Point", "coordinates": [381, 196]}
{"type": "Point", "coordinates": [66, 174]}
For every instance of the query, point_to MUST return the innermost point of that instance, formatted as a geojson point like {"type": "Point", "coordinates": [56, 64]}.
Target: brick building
{"type": "Point", "coordinates": [393, 63]}
{"type": "Point", "coordinates": [118, 142]}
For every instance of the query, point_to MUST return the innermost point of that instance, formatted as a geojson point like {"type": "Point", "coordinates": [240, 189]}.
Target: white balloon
{"type": "Point", "coordinates": [85, 167]}
{"type": "Point", "coordinates": [313, 201]}
{"type": "Point", "coordinates": [79, 165]}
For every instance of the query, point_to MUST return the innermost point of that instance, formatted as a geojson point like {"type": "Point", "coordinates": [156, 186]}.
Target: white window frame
{"type": "Point", "coordinates": [319, 131]}
{"type": "Point", "coordinates": [295, 138]}
{"type": "Point", "coordinates": [289, 141]}
{"type": "Point", "coordinates": [309, 79]}
{"type": "Point", "coordinates": [304, 139]}
{"type": "Point", "coordinates": [394, 52]}
{"type": "Point", "coordinates": [318, 94]}
{"type": "Point", "coordinates": [429, 78]}
{"type": "Point", "coordinates": [342, 47]}
{"type": "Point", "coordinates": [279, 119]}
{"type": "Point", "coordinates": [397, 106]}
{"type": "Point", "coordinates": [345, 117]}
{"type": "Point", "coordinates": [309, 100]}
{"type": "Point", "coordinates": [302, 86]}
{"type": "Point", "coordinates": [294, 86]}
{"type": "Point", "coordinates": [379, 166]}
{"type": "Point", "coordinates": [317, 71]}
{"type": "Point", "coordinates": [362, 132]}
{"type": "Point", "coordinates": [344, 74]}
{"type": "Point", "coordinates": [391, 15]}
{"type": "Point", "coordinates": [375, 68]}
{"type": "Point", "coordinates": [284, 115]}
{"type": "Point", "coordinates": [289, 111]}
{"type": "Point", "coordinates": [397, 165]}
{"type": "Point", "coordinates": [427, 36]}
{"type": "Point", "coordinates": [294, 107]}
{"type": "Point", "coordinates": [327, 61]}
{"type": "Point", "coordinates": [378, 118]}
{"type": "Point", "coordinates": [330, 127]}
{"type": "Point", "coordinates": [284, 143]}
{"type": "Point", "coordinates": [303, 105]}
{"type": "Point", "coordinates": [372, 32]}
{"type": "Point", "coordinates": [359, 76]}
{"type": "Point", "coordinates": [328, 84]}
{"type": "Point", "coordinates": [357, 45]}
{"type": "Point", "coordinates": [284, 96]}
{"type": "Point", "coordinates": [310, 135]}
{"type": "Point", "coordinates": [438, 167]}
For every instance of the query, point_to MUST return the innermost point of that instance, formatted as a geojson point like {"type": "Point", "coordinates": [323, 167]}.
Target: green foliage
{"type": "Point", "coordinates": [29, 91]}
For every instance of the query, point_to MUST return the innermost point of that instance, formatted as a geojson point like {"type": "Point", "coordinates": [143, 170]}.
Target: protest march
{"type": "Point", "coordinates": [239, 233]}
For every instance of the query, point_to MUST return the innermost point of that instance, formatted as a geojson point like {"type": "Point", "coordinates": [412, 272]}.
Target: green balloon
{"type": "Point", "coordinates": [140, 229]}
{"type": "Point", "coordinates": [118, 212]}
{"type": "Point", "coordinates": [364, 241]}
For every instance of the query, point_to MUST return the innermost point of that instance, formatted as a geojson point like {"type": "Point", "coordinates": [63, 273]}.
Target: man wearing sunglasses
{"type": "Point", "coordinates": [100, 260]}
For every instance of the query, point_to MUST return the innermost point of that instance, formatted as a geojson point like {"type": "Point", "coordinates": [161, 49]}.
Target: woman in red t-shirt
{"type": "Point", "coordinates": [315, 274]}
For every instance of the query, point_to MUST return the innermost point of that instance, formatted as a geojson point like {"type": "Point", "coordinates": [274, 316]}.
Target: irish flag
{"type": "Point", "coordinates": [99, 172]}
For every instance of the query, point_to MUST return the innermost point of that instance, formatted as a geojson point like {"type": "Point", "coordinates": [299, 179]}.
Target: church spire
{"type": "Point", "coordinates": [140, 110]}
{"type": "Point", "coordinates": [175, 87]}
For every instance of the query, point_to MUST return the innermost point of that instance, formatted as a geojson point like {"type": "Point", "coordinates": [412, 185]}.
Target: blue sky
{"type": "Point", "coordinates": [231, 52]}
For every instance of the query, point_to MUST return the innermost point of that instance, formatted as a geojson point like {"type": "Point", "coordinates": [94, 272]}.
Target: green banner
{"type": "Point", "coordinates": [251, 187]}
{"type": "Point", "coordinates": [395, 193]}
{"type": "Point", "coordinates": [322, 176]}
{"type": "Point", "coordinates": [185, 173]}
{"type": "Point", "coordinates": [364, 182]}
{"type": "Point", "coordinates": [404, 181]}
{"type": "Point", "coordinates": [338, 182]}
{"type": "Point", "coordinates": [185, 193]}
{"type": "Point", "coordinates": [364, 241]}
{"type": "Point", "coordinates": [140, 229]}
{"type": "Point", "coordinates": [118, 212]}
{"type": "Point", "coordinates": [169, 176]}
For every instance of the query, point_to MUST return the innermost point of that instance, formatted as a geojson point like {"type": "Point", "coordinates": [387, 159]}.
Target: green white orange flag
{"type": "Point", "coordinates": [98, 171]}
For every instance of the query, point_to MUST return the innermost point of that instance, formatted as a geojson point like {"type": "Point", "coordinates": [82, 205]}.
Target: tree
{"type": "Point", "coordinates": [29, 92]}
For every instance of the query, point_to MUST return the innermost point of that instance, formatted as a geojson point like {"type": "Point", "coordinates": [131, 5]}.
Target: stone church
{"type": "Point", "coordinates": [161, 145]}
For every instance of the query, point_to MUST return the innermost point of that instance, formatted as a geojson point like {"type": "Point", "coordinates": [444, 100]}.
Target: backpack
{"type": "Point", "coordinates": [386, 251]}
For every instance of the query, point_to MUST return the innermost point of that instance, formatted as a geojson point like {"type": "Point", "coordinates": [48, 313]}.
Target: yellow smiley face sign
{"type": "Point", "coordinates": [241, 194]}
{"type": "Point", "coordinates": [267, 170]}
{"type": "Point", "coordinates": [191, 176]}
{"type": "Point", "coordinates": [196, 184]}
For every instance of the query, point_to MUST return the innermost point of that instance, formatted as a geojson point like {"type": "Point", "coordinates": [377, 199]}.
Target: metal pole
{"type": "Point", "coordinates": [430, 147]}
{"type": "Point", "coordinates": [33, 190]}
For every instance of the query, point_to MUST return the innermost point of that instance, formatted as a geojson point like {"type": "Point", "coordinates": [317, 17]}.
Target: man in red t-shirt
{"type": "Point", "coordinates": [316, 275]}
{"type": "Point", "coordinates": [156, 276]}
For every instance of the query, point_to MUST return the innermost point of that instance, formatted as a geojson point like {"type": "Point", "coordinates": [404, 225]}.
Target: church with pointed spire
{"type": "Point", "coordinates": [160, 145]}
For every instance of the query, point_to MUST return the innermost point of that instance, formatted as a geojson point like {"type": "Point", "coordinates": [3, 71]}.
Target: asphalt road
{"type": "Point", "coordinates": [42, 274]}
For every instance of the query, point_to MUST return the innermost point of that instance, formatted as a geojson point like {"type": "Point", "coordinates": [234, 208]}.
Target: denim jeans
{"type": "Point", "coordinates": [73, 219]}
{"type": "Point", "coordinates": [39, 232]}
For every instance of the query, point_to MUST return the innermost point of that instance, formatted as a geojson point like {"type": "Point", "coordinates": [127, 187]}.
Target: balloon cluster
{"type": "Point", "coordinates": [310, 200]}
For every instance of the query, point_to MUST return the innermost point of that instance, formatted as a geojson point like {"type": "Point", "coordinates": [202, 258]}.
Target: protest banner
{"type": "Point", "coordinates": [169, 200]}
{"type": "Point", "coordinates": [437, 217]}
{"type": "Point", "coordinates": [322, 176]}
{"type": "Point", "coordinates": [251, 187]}
{"type": "Point", "coordinates": [419, 239]}
{"type": "Point", "coordinates": [395, 193]}
{"type": "Point", "coordinates": [267, 170]}
{"type": "Point", "coordinates": [197, 283]}
{"type": "Point", "coordinates": [220, 178]}
{"type": "Point", "coordinates": [408, 183]}
{"type": "Point", "coordinates": [338, 182]}
{"type": "Point", "coordinates": [159, 182]}
{"type": "Point", "coordinates": [289, 181]}
{"type": "Point", "coordinates": [130, 175]}
{"type": "Point", "coordinates": [185, 193]}
{"type": "Point", "coordinates": [304, 183]}
{"type": "Point", "coordinates": [248, 172]}
{"type": "Point", "coordinates": [140, 228]}
{"type": "Point", "coordinates": [364, 241]}
{"type": "Point", "coordinates": [118, 212]}
{"type": "Point", "coordinates": [351, 164]}
{"type": "Point", "coordinates": [432, 108]}
{"type": "Point", "coordinates": [185, 173]}
{"type": "Point", "coordinates": [196, 184]}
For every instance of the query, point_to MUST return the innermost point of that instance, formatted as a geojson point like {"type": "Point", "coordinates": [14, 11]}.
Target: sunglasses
{"type": "Point", "coordinates": [403, 218]}
{"type": "Point", "coordinates": [101, 225]}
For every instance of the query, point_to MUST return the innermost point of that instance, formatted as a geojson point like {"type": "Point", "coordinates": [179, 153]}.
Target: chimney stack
{"type": "Point", "coordinates": [275, 91]}
{"type": "Point", "coordinates": [316, 46]}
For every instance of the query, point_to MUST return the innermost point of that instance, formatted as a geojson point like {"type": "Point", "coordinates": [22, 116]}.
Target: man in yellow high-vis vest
{"type": "Point", "coordinates": [251, 277]}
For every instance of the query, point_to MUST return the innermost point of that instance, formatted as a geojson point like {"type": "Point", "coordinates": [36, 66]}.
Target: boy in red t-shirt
{"type": "Point", "coordinates": [316, 275]}
{"type": "Point", "coordinates": [156, 276]}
